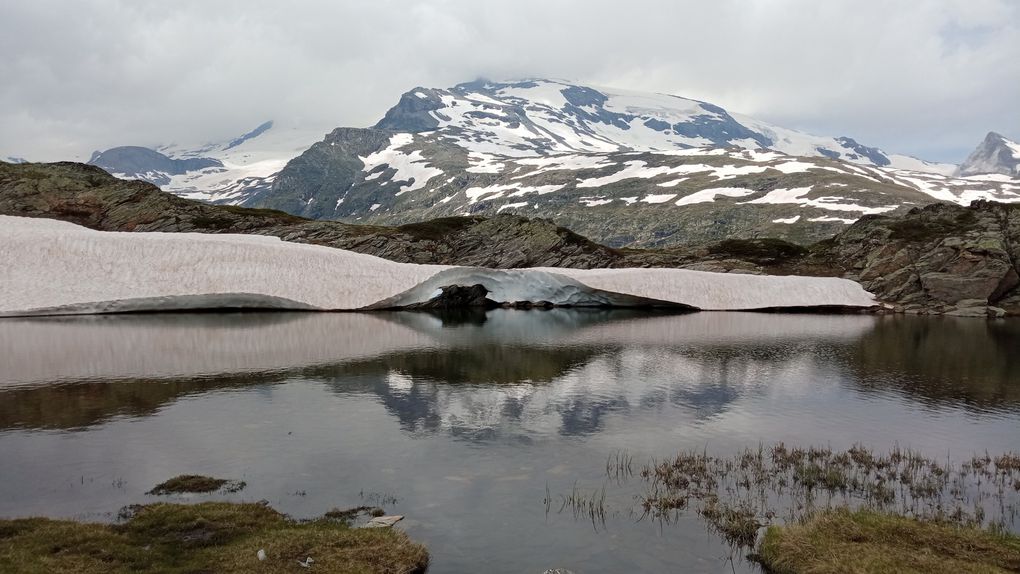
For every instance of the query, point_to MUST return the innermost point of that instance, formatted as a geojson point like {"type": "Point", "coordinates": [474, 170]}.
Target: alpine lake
{"type": "Point", "coordinates": [512, 441]}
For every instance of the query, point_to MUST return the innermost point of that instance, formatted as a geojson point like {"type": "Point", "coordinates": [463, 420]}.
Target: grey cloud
{"type": "Point", "coordinates": [925, 78]}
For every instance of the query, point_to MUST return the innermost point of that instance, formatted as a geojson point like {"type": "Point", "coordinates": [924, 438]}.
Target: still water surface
{"type": "Point", "coordinates": [465, 423]}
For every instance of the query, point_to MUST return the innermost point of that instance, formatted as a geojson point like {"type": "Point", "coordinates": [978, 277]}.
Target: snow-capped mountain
{"type": "Point", "coordinates": [995, 155]}
{"type": "Point", "coordinates": [541, 117]}
{"type": "Point", "coordinates": [220, 172]}
{"type": "Point", "coordinates": [623, 168]}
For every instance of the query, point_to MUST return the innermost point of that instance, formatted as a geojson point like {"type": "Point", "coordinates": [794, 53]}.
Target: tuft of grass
{"type": "Point", "coordinates": [862, 541]}
{"type": "Point", "coordinates": [738, 524]}
{"type": "Point", "coordinates": [195, 483]}
{"type": "Point", "coordinates": [208, 537]}
{"type": "Point", "coordinates": [735, 494]}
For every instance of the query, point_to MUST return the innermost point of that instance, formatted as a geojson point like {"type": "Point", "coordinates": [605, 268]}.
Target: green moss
{"type": "Point", "coordinates": [764, 251]}
{"type": "Point", "coordinates": [209, 537]}
{"type": "Point", "coordinates": [437, 228]}
{"type": "Point", "coordinates": [212, 222]}
{"type": "Point", "coordinates": [862, 541]}
{"type": "Point", "coordinates": [929, 224]}
{"type": "Point", "coordinates": [281, 216]}
{"type": "Point", "coordinates": [196, 483]}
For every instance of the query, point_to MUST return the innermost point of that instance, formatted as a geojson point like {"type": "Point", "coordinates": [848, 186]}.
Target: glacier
{"type": "Point", "coordinates": [50, 267]}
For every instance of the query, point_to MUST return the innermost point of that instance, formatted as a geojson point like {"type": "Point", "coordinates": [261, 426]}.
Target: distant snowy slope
{"type": "Point", "coordinates": [221, 172]}
{"type": "Point", "coordinates": [250, 162]}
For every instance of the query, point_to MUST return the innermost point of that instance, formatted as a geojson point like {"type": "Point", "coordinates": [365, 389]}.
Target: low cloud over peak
{"type": "Point", "coordinates": [928, 79]}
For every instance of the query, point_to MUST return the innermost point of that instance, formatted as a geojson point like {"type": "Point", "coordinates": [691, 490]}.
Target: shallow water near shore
{"type": "Point", "coordinates": [478, 426]}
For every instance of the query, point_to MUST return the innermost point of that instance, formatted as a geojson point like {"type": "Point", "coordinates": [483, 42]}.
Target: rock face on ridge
{"type": "Point", "coordinates": [937, 259]}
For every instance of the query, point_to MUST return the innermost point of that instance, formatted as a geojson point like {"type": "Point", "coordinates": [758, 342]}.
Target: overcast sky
{"type": "Point", "coordinates": [927, 78]}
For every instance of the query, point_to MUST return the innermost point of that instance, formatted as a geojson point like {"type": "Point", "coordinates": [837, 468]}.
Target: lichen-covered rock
{"type": "Point", "coordinates": [940, 258]}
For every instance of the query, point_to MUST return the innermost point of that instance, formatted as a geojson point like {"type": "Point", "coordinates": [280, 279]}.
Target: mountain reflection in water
{"type": "Point", "coordinates": [466, 423]}
{"type": "Point", "coordinates": [480, 375]}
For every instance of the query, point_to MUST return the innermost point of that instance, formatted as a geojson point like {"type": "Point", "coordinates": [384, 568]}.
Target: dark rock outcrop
{"type": "Point", "coordinates": [312, 184]}
{"type": "Point", "coordinates": [411, 114]}
{"type": "Point", "coordinates": [458, 297]}
{"type": "Point", "coordinates": [937, 259]}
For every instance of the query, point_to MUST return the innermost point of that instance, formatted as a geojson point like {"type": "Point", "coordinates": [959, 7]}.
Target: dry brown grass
{"type": "Point", "coordinates": [864, 541]}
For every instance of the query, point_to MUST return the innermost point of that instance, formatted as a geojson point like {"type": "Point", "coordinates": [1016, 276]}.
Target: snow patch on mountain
{"type": "Point", "coordinates": [658, 198]}
{"type": "Point", "coordinates": [484, 163]}
{"type": "Point", "coordinates": [1014, 147]}
{"type": "Point", "coordinates": [796, 196]}
{"type": "Point", "coordinates": [825, 218]}
{"type": "Point", "coordinates": [496, 191]}
{"type": "Point", "coordinates": [709, 195]}
{"type": "Point", "coordinates": [411, 168]}
{"type": "Point", "coordinates": [595, 201]}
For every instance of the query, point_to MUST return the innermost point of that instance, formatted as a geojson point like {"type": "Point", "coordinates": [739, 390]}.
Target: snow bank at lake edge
{"type": "Point", "coordinates": [55, 267]}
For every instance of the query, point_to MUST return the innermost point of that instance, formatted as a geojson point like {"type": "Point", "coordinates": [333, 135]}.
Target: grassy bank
{"type": "Point", "coordinates": [854, 510]}
{"type": "Point", "coordinates": [209, 537]}
{"type": "Point", "coordinates": [865, 541]}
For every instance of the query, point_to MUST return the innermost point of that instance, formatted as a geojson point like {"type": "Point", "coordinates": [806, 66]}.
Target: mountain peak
{"type": "Point", "coordinates": [996, 154]}
{"type": "Point", "coordinates": [537, 117]}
